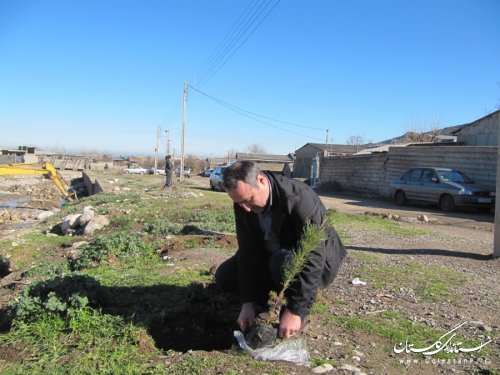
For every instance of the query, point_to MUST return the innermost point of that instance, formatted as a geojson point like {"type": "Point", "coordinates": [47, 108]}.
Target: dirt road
{"type": "Point", "coordinates": [466, 218]}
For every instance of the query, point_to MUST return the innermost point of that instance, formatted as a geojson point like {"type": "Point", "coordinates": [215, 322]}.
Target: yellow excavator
{"type": "Point", "coordinates": [47, 170]}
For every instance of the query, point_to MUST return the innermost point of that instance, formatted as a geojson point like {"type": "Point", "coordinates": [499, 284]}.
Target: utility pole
{"type": "Point", "coordinates": [326, 142]}
{"type": "Point", "coordinates": [184, 99]}
{"type": "Point", "coordinates": [157, 146]}
{"type": "Point", "coordinates": [168, 142]}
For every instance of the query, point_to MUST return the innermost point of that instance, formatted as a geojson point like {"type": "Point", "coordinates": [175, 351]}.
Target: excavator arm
{"type": "Point", "coordinates": [46, 170]}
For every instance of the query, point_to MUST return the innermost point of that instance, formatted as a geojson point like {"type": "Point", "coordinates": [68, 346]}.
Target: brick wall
{"type": "Point", "coordinates": [372, 173]}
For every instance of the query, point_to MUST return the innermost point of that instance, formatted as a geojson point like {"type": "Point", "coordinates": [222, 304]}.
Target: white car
{"type": "Point", "coordinates": [135, 170]}
{"type": "Point", "coordinates": [157, 171]}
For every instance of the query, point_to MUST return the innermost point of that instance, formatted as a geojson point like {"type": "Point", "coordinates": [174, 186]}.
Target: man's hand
{"type": "Point", "coordinates": [290, 324]}
{"type": "Point", "coordinates": [247, 316]}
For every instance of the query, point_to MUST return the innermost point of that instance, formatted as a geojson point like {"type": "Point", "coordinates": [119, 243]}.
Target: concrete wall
{"type": "Point", "coordinates": [91, 183]}
{"type": "Point", "coordinates": [483, 132]}
{"type": "Point", "coordinates": [303, 160]}
{"type": "Point", "coordinates": [373, 173]}
{"type": "Point", "coordinates": [358, 174]}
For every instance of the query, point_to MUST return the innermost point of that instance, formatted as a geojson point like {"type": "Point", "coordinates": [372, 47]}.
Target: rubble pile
{"type": "Point", "coordinates": [83, 224]}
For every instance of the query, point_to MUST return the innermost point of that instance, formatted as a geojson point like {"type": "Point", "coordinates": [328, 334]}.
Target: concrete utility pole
{"type": "Point", "coordinates": [168, 142]}
{"type": "Point", "coordinates": [326, 142]}
{"type": "Point", "coordinates": [496, 234]}
{"type": "Point", "coordinates": [184, 100]}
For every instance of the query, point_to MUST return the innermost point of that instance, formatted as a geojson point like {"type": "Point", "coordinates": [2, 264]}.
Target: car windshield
{"type": "Point", "coordinates": [454, 176]}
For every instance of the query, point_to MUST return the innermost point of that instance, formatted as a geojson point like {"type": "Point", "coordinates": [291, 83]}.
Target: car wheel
{"type": "Point", "coordinates": [220, 186]}
{"type": "Point", "coordinates": [446, 203]}
{"type": "Point", "coordinates": [126, 172]}
{"type": "Point", "coordinates": [400, 198]}
{"type": "Point", "coordinates": [212, 187]}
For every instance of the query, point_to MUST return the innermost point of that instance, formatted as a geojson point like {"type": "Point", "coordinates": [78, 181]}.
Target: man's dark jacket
{"type": "Point", "coordinates": [293, 205]}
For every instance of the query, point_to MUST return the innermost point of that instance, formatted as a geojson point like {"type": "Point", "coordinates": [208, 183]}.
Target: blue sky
{"type": "Point", "coordinates": [100, 76]}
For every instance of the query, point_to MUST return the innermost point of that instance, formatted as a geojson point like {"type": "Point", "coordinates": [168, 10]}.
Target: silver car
{"type": "Point", "coordinates": [135, 170]}
{"type": "Point", "coordinates": [446, 187]}
{"type": "Point", "coordinates": [216, 178]}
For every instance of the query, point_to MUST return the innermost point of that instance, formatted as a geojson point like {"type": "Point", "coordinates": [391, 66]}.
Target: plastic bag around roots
{"type": "Point", "coordinates": [291, 350]}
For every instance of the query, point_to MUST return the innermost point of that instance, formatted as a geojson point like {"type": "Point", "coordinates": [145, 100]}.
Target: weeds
{"type": "Point", "coordinates": [123, 245]}
{"type": "Point", "coordinates": [432, 283]}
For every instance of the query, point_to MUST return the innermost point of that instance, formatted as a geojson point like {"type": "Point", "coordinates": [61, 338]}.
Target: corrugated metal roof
{"type": "Point", "coordinates": [265, 157]}
{"type": "Point", "coordinates": [344, 149]}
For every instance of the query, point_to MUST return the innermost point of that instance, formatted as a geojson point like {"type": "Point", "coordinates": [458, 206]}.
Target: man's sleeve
{"type": "Point", "coordinates": [302, 292]}
{"type": "Point", "coordinates": [247, 259]}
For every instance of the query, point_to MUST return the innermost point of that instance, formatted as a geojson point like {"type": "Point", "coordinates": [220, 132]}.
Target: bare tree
{"type": "Point", "coordinates": [231, 154]}
{"type": "Point", "coordinates": [256, 149]}
{"type": "Point", "coordinates": [355, 140]}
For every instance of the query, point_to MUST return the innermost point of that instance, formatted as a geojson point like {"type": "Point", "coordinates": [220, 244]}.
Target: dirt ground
{"type": "Point", "coordinates": [461, 241]}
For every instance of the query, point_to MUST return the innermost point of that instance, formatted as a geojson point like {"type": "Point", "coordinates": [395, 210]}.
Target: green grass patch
{"type": "Point", "coordinates": [105, 345]}
{"type": "Point", "coordinates": [131, 274]}
{"type": "Point", "coordinates": [342, 221]}
{"type": "Point", "coordinates": [47, 270]}
{"type": "Point", "coordinates": [432, 283]}
{"type": "Point", "coordinates": [122, 245]}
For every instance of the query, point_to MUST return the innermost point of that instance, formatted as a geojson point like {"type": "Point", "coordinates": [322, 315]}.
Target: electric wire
{"type": "Point", "coordinates": [249, 114]}
{"type": "Point", "coordinates": [205, 68]}
{"type": "Point", "coordinates": [229, 50]}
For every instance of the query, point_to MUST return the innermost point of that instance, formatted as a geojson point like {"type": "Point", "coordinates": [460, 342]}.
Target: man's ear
{"type": "Point", "coordinates": [261, 179]}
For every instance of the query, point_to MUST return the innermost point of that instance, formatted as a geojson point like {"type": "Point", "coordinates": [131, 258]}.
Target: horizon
{"type": "Point", "coordinates": [91, 75]}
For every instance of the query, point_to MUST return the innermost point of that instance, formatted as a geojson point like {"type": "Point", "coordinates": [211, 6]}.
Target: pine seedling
{"type": "Point", "coordinates": [311, 239]}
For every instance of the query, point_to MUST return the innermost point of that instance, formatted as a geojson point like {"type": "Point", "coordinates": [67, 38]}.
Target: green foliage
{"type": "Point", "coordinates": [163, 227]}
{"type": "Point", "coordinates": [343, 221]}
{"type": "Point", "coordinates": [432, 283]}
{"type": "Point", "coordinates": [47, 270]}
{"type": "Point", "coordinates": [310, 240]}
{"type": "Point", "coordinates": [315, 362]}
{"type": "Point", "coordinates": [105, 345]}
{"type": "Point", "coordinates": [61, 296]}
{"type": "Point", "coordinates": [123, 245]}
{"type": "Point", "coordinates": [194, 365]}
{"type": "Point", "coordinates": [319, 308]}
{"type": "Point", "coordinates": [211, 219]}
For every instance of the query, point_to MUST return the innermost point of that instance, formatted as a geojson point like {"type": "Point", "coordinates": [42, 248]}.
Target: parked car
{"type": "Point", "coordinates": [207, 172]}
{"type": "Point", "coordinates": [216, 178]}
{"type": "Point", "coordinates": [156, 171]}
{"type": "Point", "coordinates": [446, 187]}
{"type": "Point", "coordinates": [135, 170]}
{"type": "Point", "coordinates": [187, 171]}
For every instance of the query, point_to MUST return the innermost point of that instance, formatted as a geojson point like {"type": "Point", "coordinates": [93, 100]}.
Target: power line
{"type": "Point", "coordinates": [205, 68]}
{"type": "Point", "coordinates": [231, 45]}
{"type": "Point", "coordinates": [249, 114]}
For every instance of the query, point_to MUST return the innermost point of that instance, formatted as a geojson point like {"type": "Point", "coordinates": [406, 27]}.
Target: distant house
{"type": "Point", "coordinates": [268, 162]}
{"type": "Point", "coordinates": [123, 162]}
{"type": "Point", "coordinates": [24, 154]}
{"type": "Point", "coordinates": [305, 155]}
{"type": "Point", "coordinates": [213, 162]}
{"type": "Point", "coordinates": [482, 132]}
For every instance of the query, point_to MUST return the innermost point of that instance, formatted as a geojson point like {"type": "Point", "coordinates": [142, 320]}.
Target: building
{"type": "Point", "coordinates": [275, 163]}
{"type": "Point", "coordinates": [305, 155]}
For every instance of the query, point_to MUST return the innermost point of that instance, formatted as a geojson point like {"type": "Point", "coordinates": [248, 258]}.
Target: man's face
{"type": "Point", "coordinates": [251, 198]}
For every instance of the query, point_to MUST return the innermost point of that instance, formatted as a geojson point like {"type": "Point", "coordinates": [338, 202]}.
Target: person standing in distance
{"type": "Point", "coordinates": [169, 171]}
{"type": "Point", "coordinates": [271, 212]}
